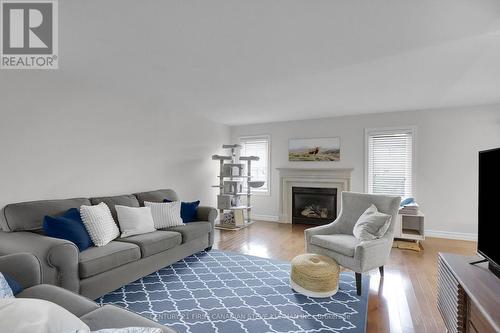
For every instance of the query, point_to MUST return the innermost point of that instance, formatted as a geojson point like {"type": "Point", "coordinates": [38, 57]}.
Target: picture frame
{"type": "Point", "coordinates": [314, 149]}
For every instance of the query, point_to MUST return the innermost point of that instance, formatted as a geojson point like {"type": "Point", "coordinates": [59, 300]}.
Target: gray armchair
{"type": "Point", "coordinates": [337, 241]}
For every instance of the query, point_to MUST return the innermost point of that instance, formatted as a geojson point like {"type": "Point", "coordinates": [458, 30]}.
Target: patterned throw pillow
{"type": "Point", "coordinates": [99, 223]}
{"type": "Point", "coordinates": [165, 214]}
{"type": "Point", "coordinates": [189, 210]}
{"type": "Point", "coordinates": [13, 284]}
{"type": "Point", "coordinates": [5, 290]}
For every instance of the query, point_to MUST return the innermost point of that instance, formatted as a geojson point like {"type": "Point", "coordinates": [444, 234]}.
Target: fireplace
{"type": "Point", "coordinates": [325, 178]}
{"type": "Point", "coordinates": [314, 205]}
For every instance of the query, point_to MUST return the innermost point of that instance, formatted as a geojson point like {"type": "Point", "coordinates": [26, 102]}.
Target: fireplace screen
{"type": "Point", "coordinates": [311, 205]}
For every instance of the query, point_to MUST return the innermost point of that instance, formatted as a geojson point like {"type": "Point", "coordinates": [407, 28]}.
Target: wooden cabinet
{"type": "Point", "coordinates": [476, 320]}
{"type": "Point", "coordinates": [468, 295]}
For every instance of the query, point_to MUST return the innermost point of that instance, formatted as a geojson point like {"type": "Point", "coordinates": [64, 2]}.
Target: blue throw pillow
{"type": "Point", "coordinates": [73, 214]}
{"type": "Point", "coordinates": [189, 210]}
{"type": "Point", "coordinates": [406, 201]}
{"type": "Point", "coordinates": [13, 284]}
{"type": "Point", "coordinates": [69, 227]}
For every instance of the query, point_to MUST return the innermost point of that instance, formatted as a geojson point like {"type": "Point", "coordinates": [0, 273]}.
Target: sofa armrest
{"type": "Point", "coordinates": [112, 316]}
{"type": "Point", "coordinates": [22, 267]}
{"type": "Point", "coordinates": [205, 213]}
{"type": "Point", "coordinates": [58, 257]}
{"type": "Point", "coordinates": [74, 303]}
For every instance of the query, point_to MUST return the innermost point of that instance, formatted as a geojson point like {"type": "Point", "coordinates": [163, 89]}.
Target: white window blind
{"type": "Point", "coordinates": [258, 146]}
{"type": "Point", "coordinates": [390, 162]}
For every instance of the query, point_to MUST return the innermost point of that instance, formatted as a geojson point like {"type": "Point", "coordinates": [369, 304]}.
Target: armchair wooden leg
{"type": "Point", "coordinates": [358, 283]}
{"type": "Point", "coordinates": [381, 270]}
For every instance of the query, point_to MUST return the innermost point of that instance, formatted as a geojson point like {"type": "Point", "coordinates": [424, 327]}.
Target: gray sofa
{"type": "Point", "coordinates": [25, 269]}
{"type": "Point", "coordinates": [99, 270]}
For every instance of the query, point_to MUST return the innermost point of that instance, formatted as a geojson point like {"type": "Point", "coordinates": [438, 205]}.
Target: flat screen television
{"type": "Point", "coordinates": [488, 244]}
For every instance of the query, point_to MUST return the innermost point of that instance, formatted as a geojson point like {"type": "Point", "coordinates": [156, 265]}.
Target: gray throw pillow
{"type": "Point", "coordinates": [372, 224]}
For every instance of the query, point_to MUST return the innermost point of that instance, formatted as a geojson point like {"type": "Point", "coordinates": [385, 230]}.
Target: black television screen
{"type": "Point", "coordinates": [489, 204]}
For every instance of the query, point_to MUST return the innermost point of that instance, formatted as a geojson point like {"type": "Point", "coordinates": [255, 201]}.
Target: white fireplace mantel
{"type": "Point", "coordinates": [338, 178]}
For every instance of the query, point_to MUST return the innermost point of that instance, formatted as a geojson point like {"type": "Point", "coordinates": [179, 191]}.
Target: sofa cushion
{"type": "Point", "coordinates": [110, 316]}
{"type": "Point", "coordinates": [156, 196]}
{"type": "Point", "coordinates": [96, 260]}
{"type": "Point", "coordinates": [340, 243]}
{"type": "Point", "coordinates": [154, 242]}
{"type": "Point", "coordinates": [123, 200]}
{"type": "Point", "coordinates": [192, 230]}
{"type": "Point", "coordinates": [27, 216]}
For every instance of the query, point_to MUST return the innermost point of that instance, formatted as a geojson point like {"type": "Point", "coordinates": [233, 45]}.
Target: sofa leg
{"type": "Point", "coordinates": [381, 270]}
{"type": "Point", "coordinates": [358, 283]}
{"type": "Point", "coordinates": [208, 248]}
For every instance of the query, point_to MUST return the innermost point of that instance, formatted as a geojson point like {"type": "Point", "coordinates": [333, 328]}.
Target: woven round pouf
{"type": "Point", "coordinates": [314, 275]}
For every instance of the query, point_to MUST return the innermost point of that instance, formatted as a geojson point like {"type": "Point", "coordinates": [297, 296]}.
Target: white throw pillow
{"type": "Point", "coordinates": [99, 223]}
{"type": "Point", "coordinates": [27, 315]}
{"type": "Point", "coordinates": [135, 220]}
{"type": "Point", "coordinates": [372, 224]}
{"type": "Point", "coordinates": [165, 214]}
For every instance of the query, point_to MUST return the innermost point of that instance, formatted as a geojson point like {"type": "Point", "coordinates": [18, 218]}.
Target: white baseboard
{"type": "Point", "coordinates": [270, 218]}
{"type": "Point", "coordinates": [430, 233]}
{"type": "Point", "coordinates": [451, 235]}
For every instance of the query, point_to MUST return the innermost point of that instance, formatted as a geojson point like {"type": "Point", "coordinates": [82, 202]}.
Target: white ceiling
{"type": "Point", "coordinates": [240, 62]}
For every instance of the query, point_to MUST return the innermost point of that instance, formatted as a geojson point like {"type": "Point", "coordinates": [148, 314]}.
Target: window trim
{"type": "Point", "coordinates": [267, 137]}
{"type": "Point", "coordinates": [393, 130]}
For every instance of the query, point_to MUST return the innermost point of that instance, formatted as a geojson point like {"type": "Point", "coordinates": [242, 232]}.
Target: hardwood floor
{"type": "Point", "coordinates": [403, 301]}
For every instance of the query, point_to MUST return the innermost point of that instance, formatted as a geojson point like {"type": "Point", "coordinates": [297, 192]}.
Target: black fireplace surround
{"type": "Point", "coordinates": [313, 205]}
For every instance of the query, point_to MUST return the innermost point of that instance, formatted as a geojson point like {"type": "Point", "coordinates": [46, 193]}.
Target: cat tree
{"type": "Point", "coordinates": [231, 191]}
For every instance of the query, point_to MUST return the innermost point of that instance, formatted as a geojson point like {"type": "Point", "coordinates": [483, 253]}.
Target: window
{"type": "Point", "coordinates": [258, 146]}
{"type": "Point", "coordinates": [390, 158]}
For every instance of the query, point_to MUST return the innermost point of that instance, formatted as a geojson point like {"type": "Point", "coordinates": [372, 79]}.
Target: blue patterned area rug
{"type": "Point", "coordinates": [227, 292]}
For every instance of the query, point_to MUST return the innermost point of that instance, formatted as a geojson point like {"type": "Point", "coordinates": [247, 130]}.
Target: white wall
{"type": "Point", "coordinates": [111, 119]}
{"type": "Point", "coordinates": [61, 143]}
{"type": "Point", "coordinates": [446, 169]}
